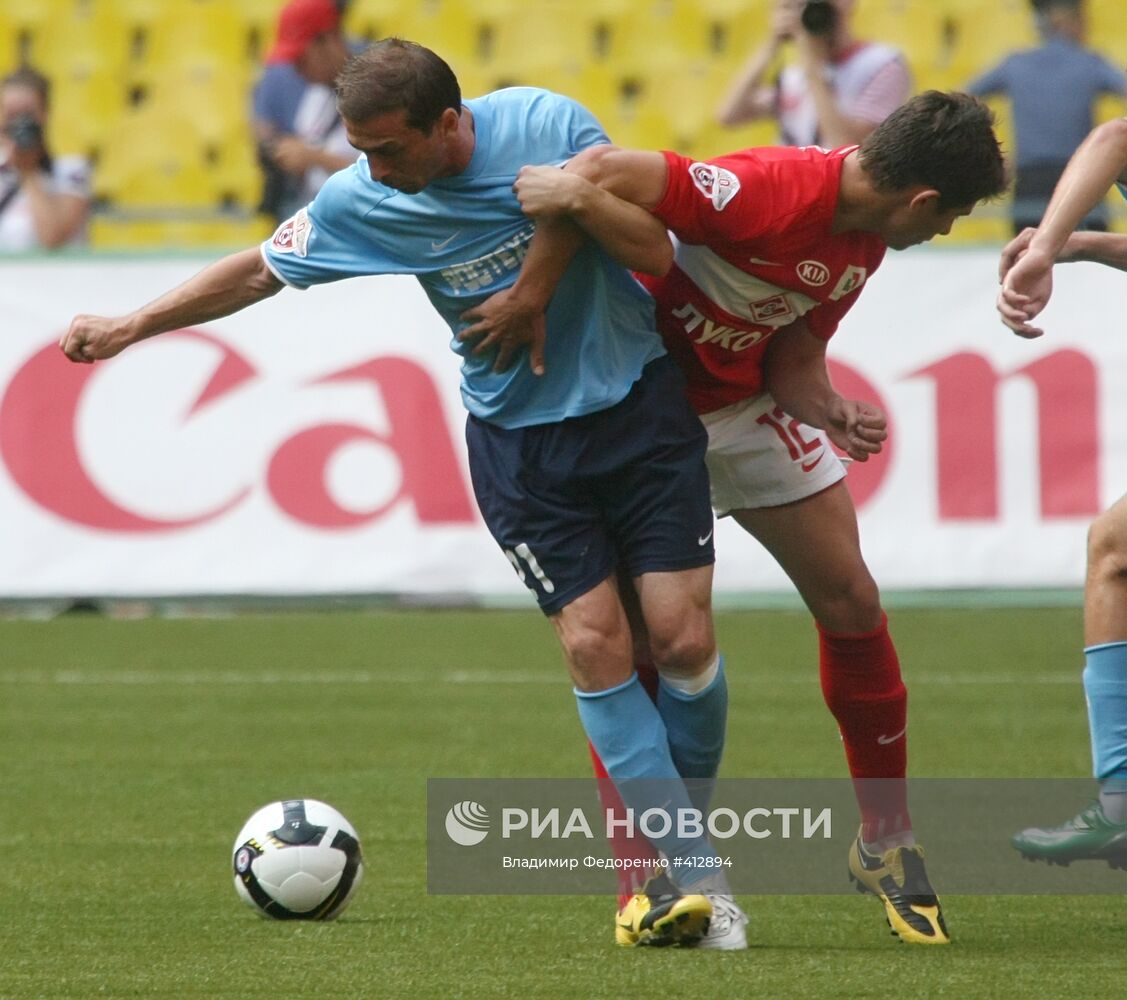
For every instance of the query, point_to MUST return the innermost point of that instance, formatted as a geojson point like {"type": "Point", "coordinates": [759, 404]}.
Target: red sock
{"type": "Point", "coordinates": [862, 686]}
{"type": "Point", "coordinates": [624, 847]}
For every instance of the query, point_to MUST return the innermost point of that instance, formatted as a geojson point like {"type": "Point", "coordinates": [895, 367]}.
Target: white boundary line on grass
{"type": "Point", "coordinates": [126, 678]}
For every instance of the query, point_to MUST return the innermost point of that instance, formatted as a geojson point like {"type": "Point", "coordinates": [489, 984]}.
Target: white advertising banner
{"type": "Point", "coordinates": [313, 444]}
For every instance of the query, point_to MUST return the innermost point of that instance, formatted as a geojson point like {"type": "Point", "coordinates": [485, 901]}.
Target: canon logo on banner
{"type": "Point", "coordinates": [40, 406]}
{"type": "Point", "coordinates": [38, 444]}
{"type": "Point", "coordinates": [966, 427]}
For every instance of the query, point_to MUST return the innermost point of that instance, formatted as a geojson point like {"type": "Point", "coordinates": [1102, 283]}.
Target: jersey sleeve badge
{"type": "Point", "coordinates": [718, 185]}
{"type": "Point", "coordinates": [292, 236]}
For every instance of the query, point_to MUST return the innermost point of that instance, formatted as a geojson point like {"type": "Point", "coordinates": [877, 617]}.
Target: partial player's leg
{"type": "Point", "coordinates": [629, 736]}
{"type": "Point", "coordinates": [550, 495]}
{"type": "Point", "coordinates": [1099, 832]}
{"type": "Point", "coordinates": [782, 483]}
{"type": "Point", "coordinates": [699, 758]}
{"type": "Point", "coordinates": [659, 513]}
{"type": "Point", "coordinates": [636, 855]}
{"type": "Point", "coordinates": [815, 540]}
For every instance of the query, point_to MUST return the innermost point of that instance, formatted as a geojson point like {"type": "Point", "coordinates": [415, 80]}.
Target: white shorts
{"type": "Point", "coordinates": [760, 457]}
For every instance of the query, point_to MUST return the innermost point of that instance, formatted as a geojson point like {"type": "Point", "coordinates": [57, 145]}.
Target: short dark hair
{"type": "Point", "coordinates": [32, 79]}
{"type": "Point", "coordinates": [944, 141]}
{"type": "Point", "coordinates": [393, 75]}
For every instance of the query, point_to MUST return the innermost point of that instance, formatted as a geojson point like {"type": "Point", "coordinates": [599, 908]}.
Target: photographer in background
{"type": "Point", "coordinates": [836, 90]}
{"type": "Point", "coordinates": [44, 200]}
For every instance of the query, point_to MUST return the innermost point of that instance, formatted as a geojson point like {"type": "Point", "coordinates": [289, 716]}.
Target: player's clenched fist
{"type": "Point", "coordinates": [858, 429]}
{"type": "Point", "coordinates": [94, 338]}
{"type": "Point", "coordinates": [548, 190]}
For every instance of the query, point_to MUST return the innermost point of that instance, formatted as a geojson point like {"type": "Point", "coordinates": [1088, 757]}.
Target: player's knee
{"type": "Point", "coordinates": [685, 650]}
{"type": "Point", "coordinates": [850, 606]}
{"type": "Point", "coordinates": [1107, 545]}
{"type": "Point", "coordinates": [599, 656]}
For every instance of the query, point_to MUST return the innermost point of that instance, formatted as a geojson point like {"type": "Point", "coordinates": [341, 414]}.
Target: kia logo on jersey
{"type": "Point", "coordinates": [813, 272]}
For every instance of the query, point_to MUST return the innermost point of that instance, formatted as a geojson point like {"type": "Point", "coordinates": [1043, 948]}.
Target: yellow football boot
{"type": "Point", "coordinates": [898, 877]}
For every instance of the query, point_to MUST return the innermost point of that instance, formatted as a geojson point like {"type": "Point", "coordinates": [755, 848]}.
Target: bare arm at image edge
{"type": "Point", "coordinates": [220, 289]}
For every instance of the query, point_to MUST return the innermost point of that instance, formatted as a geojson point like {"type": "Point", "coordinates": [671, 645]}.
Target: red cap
{"type": "Point", "coordinates": [299, 23]}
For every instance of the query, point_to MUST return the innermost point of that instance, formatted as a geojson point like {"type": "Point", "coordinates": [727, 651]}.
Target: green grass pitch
{"type": "Point", "coordinates": [133, 751]}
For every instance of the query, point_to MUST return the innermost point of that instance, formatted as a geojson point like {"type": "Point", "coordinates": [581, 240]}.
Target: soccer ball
{"type": "Point", "coordinates": [297, 860]}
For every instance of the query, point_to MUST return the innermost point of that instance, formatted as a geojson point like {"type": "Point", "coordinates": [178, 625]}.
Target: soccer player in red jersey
{"type": "Point", "coordinates": [772, 247]}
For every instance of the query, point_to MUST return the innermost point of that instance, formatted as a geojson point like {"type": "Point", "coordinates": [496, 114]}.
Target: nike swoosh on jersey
{"type": "Point", "coordinates": [885, 740]}
{"type": "Point", "coordinates": [704, 540]}
{"type": "Point", "coordinates": [807, 466]}
{"type": "Point", "coordinates": [435, 245]}
{"type": "Point", "coordinates": [763, 263]}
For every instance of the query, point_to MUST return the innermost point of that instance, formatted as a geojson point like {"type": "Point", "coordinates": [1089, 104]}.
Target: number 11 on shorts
{"type": "Point", "coordinates": [522, 551]}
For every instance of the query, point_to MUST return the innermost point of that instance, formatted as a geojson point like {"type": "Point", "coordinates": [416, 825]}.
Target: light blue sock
{"type": "Point", "coordinates": [1105, 687]}
{"type": "Point", "coordinates": [696, 725]}
{"type": "Point", "coordinates": [629, 736]}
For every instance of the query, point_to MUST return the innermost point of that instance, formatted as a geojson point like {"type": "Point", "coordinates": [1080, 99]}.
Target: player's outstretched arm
{"type": "Point", "coordinates": [1100, 248]}
{"type": "Point", "coordinates": [796, 375]}
{"type": "Point", "coordinates": [1027, 261]}
{"type": "Point", "coordinates": [607, 191]}
{"type": "Point", "coordinates": [222, 288]}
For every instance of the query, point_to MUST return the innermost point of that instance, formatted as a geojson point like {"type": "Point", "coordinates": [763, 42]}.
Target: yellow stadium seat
{"type": "Point", "coordinates": [259, 24]}
{"type": "Point", "coordinates": [9, 43]}
{"type": "Point", "coordinates": [449, 27]}
{"type": "Point", "coordinates": [689, 98]}
{"type": "Point", "coordinates": [659, 37]}
{"type": "Point", "coordinates": [737, 29]}
{"type": "Point", "coordinates": [598, 88]}
{"type": "Point", "coordinates": [641, 122]}
{"type": "Point", "coordinates": [153, 159]}
{"type": "Point", "coordinates": [199, 39]}
{"type": "Point", "coordinates": [983, 34]}
{"type": "Point", "coordinates": [1107, 29]}
{"type": "Point", "coordinates": [86, 57]}
{"type": "Point", "coordinates": [29, 17]}
{"type": "Point", "coordinates": [142, 14]}
{"type": "Point", "coordinates": [369, 20]}
{"type": "Point", "coordinates": [218, 106]}
{"type": "Point", "coordinates": [715, 139]}
{"type": "Point", "coordinates": [128, 231]}
{"type": "Point", "coordinates": [547, 38]}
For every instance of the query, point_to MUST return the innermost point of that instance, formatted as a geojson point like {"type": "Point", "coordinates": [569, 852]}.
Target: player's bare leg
{"type": "Point", "coordinates": [816, 541]}
{"type": "Point", "coordinates": [671, 619]}
{"type": "Point", "coordinates": [1099, 832]}
{"type": "Point", "coordinates": [636, 855]}
{"type": "Point", "coordinates": [1105, 588]}
{"type": "Point", "coordinates": [630, 738]}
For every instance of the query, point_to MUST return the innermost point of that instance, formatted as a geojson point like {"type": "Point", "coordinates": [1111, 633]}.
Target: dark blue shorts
{"type": "Point", "coordinates": [624, 487]}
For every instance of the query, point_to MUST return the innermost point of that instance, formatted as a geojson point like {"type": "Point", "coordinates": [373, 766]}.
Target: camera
{"type": "Point", "coordinates": [819, 17]}
{"type": "Point", "coordinates": [25, 132]}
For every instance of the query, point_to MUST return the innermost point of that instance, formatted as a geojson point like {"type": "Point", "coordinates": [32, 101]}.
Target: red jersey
{"type": "Point", "coordinates": [753, 252]}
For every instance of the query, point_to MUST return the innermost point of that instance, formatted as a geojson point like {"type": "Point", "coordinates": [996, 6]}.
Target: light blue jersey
{"type": "Point", "coordinates": [464, 238]}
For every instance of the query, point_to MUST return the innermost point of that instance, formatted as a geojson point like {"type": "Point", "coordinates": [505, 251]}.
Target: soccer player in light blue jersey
{"type": "Point", "coordinates": [1100, 831]}
{"type": "Point", "coordinates": [587, 459]}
